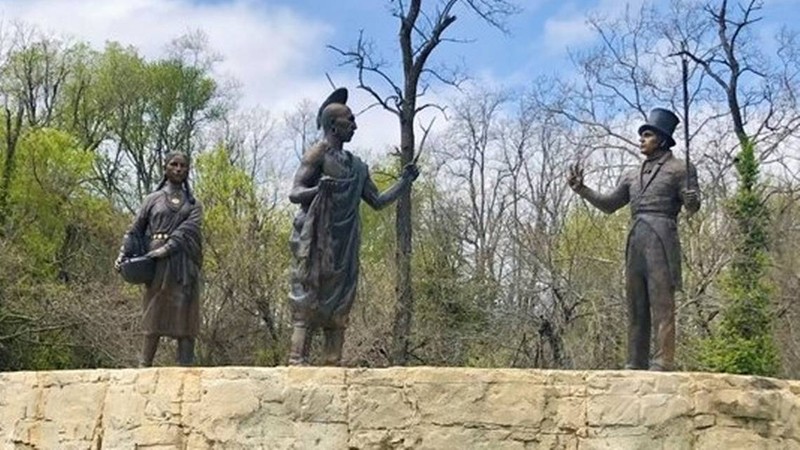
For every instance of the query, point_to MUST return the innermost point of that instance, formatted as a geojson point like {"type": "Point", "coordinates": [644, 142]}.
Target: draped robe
{"type": "Point", "coordinates": [171, 302]}
{"type": "Point", "coordinates": [325, 241]}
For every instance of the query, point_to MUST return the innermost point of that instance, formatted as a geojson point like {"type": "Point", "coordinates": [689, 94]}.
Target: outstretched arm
{"type": "Point", "coordinates": [608, 203]}
{"type": "Point", "coordinates": [379, 200]}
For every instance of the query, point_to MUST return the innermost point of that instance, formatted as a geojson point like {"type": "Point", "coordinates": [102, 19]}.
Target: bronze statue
{"type": "Point", "coordinates": [656, 192]}
{"type": "Point", "coordinates": [329, 186]}
{"type": "Point", "coordinates": [167, 230]}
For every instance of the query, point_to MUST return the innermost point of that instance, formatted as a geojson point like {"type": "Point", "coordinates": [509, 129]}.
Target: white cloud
{"type": "Point", "coordinates": [561, 33]}
{"type": "Point", "coordinates": [266, 48]}
{"type": "Point", "coordinates": [277, 55]}
{"type": "Point", "coordinates": [569, 29]}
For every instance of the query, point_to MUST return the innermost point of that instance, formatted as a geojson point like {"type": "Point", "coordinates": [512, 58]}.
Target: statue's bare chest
{"type": "Point", "coordinates": [336, 164]}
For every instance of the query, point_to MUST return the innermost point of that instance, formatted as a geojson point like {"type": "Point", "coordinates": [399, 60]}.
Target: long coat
{"type": "Point", "coordinates": [171, 302]}
{"type": "Point", "coordinates": [655, 194]}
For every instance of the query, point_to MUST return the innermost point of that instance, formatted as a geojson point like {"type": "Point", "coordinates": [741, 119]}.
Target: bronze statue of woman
{"type": "Point", "coordinates": [168, 226]}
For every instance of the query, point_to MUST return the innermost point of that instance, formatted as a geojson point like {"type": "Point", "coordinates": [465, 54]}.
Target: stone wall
{"type": "Point", "coordinates": [419, 408]}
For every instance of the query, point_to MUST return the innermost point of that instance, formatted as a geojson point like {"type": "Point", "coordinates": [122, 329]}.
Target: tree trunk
{"type": "Point", "coordinates": [13, 124]}
{"type": "Point", "coordinates": [404, 307]}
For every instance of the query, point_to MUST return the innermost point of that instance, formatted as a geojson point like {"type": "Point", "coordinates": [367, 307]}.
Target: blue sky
{"type": "Point", "coordinates": [491, 53]}
{"type": "Point", "coordinates": [276, 49]}
{"type": "Point", "coordinates": [536, 44]}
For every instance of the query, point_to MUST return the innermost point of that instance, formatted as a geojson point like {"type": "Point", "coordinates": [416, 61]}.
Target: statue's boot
{"type": "Point", "coordinates": [185, 355]}
{"type": "Point", "coordinates": [334, 341]}
{"type": "Point", "coordinates": [664, 354]}
{"type": "Point", "coordinates": [149, 347]}
{"type": "Point", "coordinates": [301, 345]}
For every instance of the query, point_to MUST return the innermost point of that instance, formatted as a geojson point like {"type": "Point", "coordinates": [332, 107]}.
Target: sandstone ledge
{"type": "Point", "coordinates": [419, 408]}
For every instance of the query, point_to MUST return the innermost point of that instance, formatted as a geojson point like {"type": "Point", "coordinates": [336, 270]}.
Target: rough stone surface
{"type": "Point", "coordinates": [398, 408]}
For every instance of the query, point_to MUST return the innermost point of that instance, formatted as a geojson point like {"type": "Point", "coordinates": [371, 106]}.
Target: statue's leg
{"type": "Point", "coordinates": [334, 341]}
{"type": "Point", "coordinates": [638, 304]}
{"type": "Point", "coordinates": [149, 347]}
{"type": "Point", "coordinates": [185, 354]}
{"type": "Point", "coordinates": [302, 334]}
{"type": "Point", "coordinates": [662, 306]}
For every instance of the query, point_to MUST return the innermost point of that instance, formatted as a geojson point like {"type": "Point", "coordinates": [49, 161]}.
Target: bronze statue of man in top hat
{"type": "Point", "coordinates": [656, 192]}
{"type": "Point", "coordinates": [329, 186]}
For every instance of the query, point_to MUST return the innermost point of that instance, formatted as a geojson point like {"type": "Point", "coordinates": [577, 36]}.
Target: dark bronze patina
{"type": "Point", "coordinates": [656, 191]}
{"type": "Point", "coordinates": [167, 231]}
{"type": "Point", "coordinates": [325, 239]}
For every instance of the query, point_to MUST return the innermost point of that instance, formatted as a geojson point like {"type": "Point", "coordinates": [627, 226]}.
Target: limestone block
{"type": "Point", "coordinates": [746, 404]}
{"type": "Point", "coordinates": [566, 413]}
{"type": "Point", "coordinates": [662, 408]}
{"type": "Point", "coordinates": [642, 442]}
{"type": "Point", "coordinates": [434, 437]}
{"type": "Point", "coordinates": [373, 439]}
{"type": "Point", "coordinates": [553, 442]}
{"type": "Point", "coordinates": [381, 407]}
{"type": "Point", "coordinates": [509, 404]}
{"type": "Point", "coordinates": [625, 382]}
{"type": "Point", "coordinates": [75, 409]}
{"type": "Point", "coordinates": [724, 437]}
{"type": "Point", "coordinates": [702, 421]}
{"type": "Point", "coordinates": [309, 435]}
{"type": "Point", "coordinates": [613, 410]}
{"type": "Point", "coordinates": [316, 394]}
{"type": "Point", "coordinates": [150, 435]}
{"type": "Point", "coordinates": [397, 408]}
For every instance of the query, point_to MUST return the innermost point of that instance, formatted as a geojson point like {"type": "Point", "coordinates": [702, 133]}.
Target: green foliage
{"type": "Point", "coordinates": [46, 350]}
{"type": "Point", "coordinates": [743, 342]}
{"type": "Point", "coordinates": [453, 301]}
{"type": "Point", "coordinates": [246, 259]}
{"type": "Point", "coordinates": [48, 193]}
{"type": "Point", "coordinates": [590, 258]}
{"type": "Point", "coordinates": [452, 308]}
{"type": "Point", "coordinates": [229, 200]}
{"type": "Point", "coordinates": [178, 95]}
{"type": "Point", "coordinates": [377, 227]}
{"type": "Point", "coordinates": [591, 247]}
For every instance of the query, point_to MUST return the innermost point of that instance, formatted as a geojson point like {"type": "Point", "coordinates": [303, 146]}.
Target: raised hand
{"type": "Point", "coordinates": [575, 178]}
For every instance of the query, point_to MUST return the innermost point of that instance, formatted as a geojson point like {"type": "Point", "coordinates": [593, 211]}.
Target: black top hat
{"type": "Point", "coordinates": [337, 96]}
{"type": "Point", "coordinates": [663, 122]}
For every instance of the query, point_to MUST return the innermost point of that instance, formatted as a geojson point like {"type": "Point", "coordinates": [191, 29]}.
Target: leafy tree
{"type": "Point", "coordinates": [246, 258]}
{"type": "Point", "coordinates": [48, 192]}
{"type": "Point", "coordinates": [743, 342]}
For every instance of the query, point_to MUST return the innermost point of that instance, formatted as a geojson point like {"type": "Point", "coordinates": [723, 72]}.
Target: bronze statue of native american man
{"type": "Point", "coordinates": [325, 239]}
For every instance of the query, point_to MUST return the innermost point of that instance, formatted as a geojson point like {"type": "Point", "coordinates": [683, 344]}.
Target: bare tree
{"type": "Point", "coordinates": [729, 59]}
{"type": "Point", "coordinates": [249, 138]}
{"type": "Point", "coordinates": [301, 127]}
{"type": "Point", "coordinates": [422, 29]}
{"type": "Point", "coordinates": [470, 155]}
